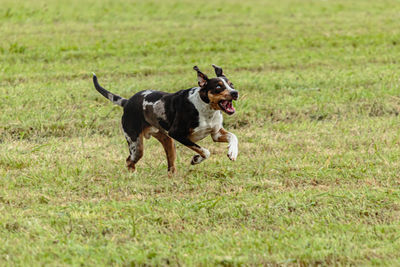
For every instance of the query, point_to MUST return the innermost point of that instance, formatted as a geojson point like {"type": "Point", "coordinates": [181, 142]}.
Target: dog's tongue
{"type": "Point", "coordinates": [229, 107]}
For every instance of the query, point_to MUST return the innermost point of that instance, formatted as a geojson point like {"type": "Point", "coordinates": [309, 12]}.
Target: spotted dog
{"type": "Point", "coordinates": [186, 116]}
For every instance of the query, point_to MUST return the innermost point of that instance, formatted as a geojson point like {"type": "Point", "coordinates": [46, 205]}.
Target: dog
{"type": "Point", "coordinates": [186, 116]}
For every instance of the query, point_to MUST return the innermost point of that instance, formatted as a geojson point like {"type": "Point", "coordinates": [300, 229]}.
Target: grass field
{"type": "Point", "coordinates": [317, 180]}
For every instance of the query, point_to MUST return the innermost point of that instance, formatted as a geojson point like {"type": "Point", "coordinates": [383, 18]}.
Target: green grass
{"type": "Point", "coordinates": [317, 179]}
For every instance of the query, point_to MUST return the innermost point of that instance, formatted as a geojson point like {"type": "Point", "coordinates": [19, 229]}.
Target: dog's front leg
{"type": "Point", "coordinates": [203, 153]}
{"type": "Point", "coordinates": [224, 136]}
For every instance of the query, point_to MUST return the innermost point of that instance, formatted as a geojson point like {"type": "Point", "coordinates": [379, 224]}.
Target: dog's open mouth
{"type": "Point", "coordinates": [226, 105]}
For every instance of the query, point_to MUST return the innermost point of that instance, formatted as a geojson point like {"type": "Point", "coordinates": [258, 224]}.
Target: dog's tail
{"type": "Point", "coordinates": [116, 99]}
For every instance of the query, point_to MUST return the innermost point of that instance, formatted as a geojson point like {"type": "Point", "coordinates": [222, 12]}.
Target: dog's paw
{"type": "Point", "coordinates": [131, 167]}
{"type": "Point", "coordinates": [233, 152]}
{"type": "Point", "coordinates": [130, 164]}
{"type": "Point", "coordinates": [196, 159]}
{"type": "Point", "coordinates": [172, 171]}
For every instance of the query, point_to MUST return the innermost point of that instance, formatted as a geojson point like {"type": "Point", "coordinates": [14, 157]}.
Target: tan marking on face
{"type": "Point", "coordinates": [215, 98]}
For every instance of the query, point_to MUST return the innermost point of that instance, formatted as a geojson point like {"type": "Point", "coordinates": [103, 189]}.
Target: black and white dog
{"type": "Point", "coordinates": [186, 116]}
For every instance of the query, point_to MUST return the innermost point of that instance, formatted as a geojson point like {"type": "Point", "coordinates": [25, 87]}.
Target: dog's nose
{"type": "Point", "coordinates": [235, 94]}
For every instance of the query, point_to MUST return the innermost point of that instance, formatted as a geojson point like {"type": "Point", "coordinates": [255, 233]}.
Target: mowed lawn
{"type": "Point", "coordinates": [317, 180]}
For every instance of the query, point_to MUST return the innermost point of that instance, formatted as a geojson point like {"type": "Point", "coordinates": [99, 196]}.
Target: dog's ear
{"type": "Point", "coordinates": [201, 77]}
{"type": "Point", "coordinates": [218, 71]}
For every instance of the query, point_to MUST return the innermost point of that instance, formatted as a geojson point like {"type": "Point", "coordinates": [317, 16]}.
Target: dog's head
{"type": "Point", "coordinates": [217, 92]}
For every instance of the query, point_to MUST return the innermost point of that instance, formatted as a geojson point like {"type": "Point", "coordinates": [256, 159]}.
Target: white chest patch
{"type": "Point", "coordinates": [210, 120]}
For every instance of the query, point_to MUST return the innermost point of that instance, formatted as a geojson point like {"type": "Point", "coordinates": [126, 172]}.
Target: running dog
{"type": "Point", "coordinates": [186, 116]}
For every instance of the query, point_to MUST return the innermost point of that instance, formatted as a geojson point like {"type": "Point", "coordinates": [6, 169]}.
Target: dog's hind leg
{"type": "Point", "coordinates": [133, 126]}
{"type": "Point", "coordinates": [170, 151]}
{"type": "Point", "coordinates": [135, 143]}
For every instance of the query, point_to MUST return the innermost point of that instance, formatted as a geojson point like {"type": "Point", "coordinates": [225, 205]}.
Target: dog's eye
{"type": "Point", "coordinates": [231, 85]}
{"type": "Point", "coordinates": [218, 89]}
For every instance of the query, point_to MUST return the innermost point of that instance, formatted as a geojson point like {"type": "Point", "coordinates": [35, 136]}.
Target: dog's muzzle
{"type": "Point", "coordinates": [235, 94]}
